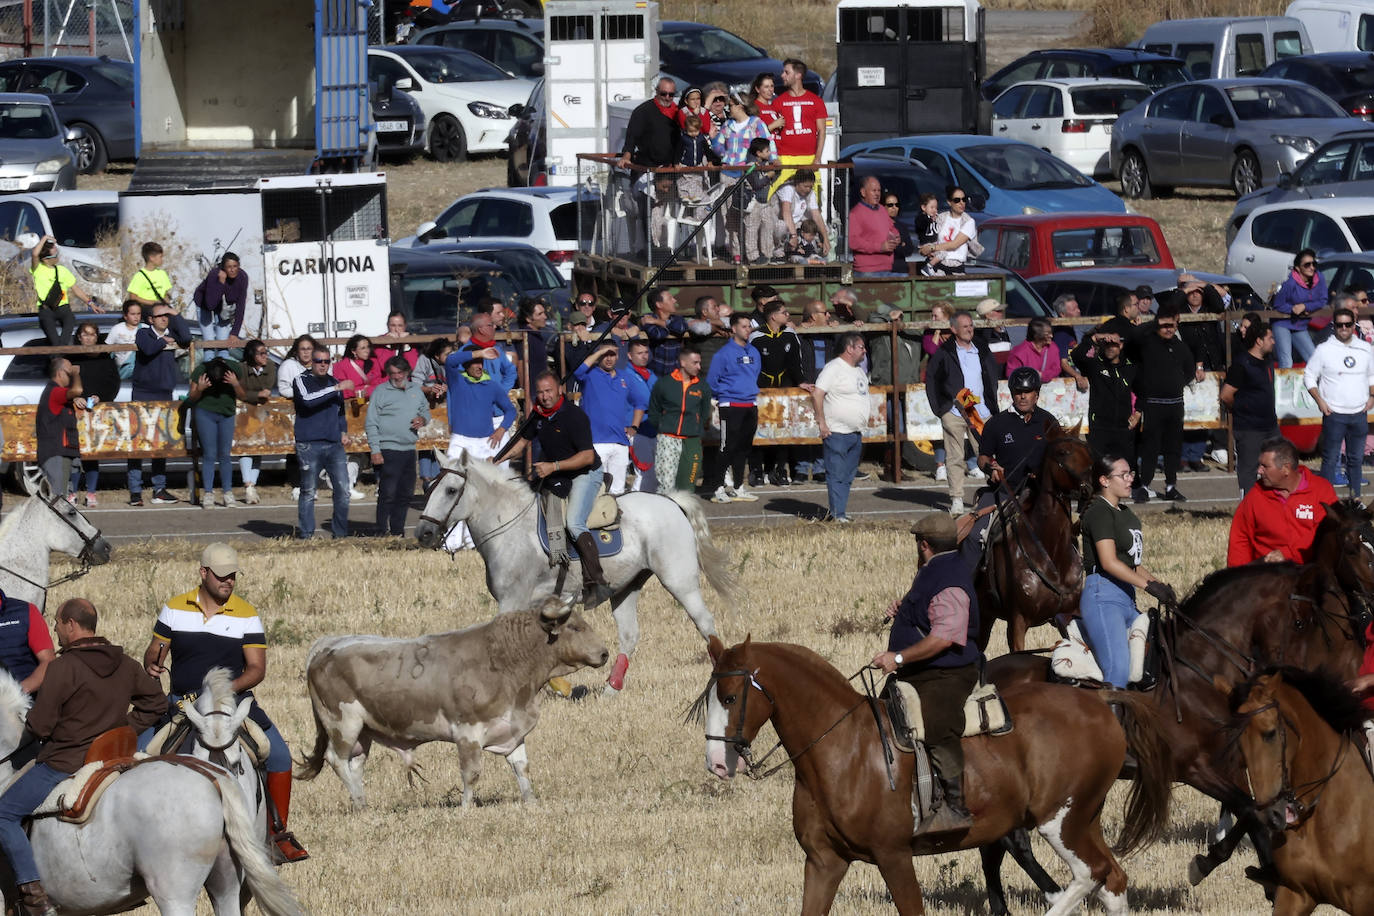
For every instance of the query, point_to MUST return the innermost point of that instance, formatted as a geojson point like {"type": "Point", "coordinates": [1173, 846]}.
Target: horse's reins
{"type": "Point", "coordinates": [87, 546]}
{"type": "Point", "coordinates": [1289, 794]}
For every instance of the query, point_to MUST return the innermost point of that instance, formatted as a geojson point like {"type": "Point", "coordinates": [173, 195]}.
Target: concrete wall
{"type": "Point", "coordinates": [227, 76]}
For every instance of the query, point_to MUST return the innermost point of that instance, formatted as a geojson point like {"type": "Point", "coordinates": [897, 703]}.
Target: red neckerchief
{"type": "Point", "coordinates": [551, 411]}
{"type": "Point", "coordinates": [643, 373]}
{"type": "Point", "coordinates": [482, 344]}
{"type": "Point", "coordinates": [669, 110]}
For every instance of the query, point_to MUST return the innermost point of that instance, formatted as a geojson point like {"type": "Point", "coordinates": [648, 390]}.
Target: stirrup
{"type": "Point", "coordinates": [287, 848]}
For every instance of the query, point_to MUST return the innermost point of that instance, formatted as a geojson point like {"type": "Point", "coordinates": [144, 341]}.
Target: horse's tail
{"type": "Point", "coordinates": [714, 562]}
{"type": "Point", "coordinates": [273, 895]}
{"type": "Point", "coordinates": [1147, 807]}
{"type": "Point", "coordinates": [309, 767]}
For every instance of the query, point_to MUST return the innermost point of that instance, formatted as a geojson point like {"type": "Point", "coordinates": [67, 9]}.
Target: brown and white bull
{"type": "Point", "coordinates": [478, 688]}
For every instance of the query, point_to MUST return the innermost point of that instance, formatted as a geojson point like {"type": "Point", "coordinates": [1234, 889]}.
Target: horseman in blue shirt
{"type": "Point", "coordinates": [933, 646]}
{"type": "Point", "coordinates": [25, 644]}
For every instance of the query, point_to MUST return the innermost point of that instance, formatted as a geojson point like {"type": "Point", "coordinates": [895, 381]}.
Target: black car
{"type": "Point", "coordinates": [515, 45]}
{"type": "Point", "coordinates": [1346, 76]}
{"type": "Point", "coordinates": [399, 121]}
{"type": "Point", "coordinates": [525, 144]}
{"type": "Point", "coordinates": [528, 269]}
{"type": "Point", "coordinates": [437, 290]}
{"type": "Point", "coordinates": [93, 93]}
{"type": "Point", "coordinates": [1154, 70]}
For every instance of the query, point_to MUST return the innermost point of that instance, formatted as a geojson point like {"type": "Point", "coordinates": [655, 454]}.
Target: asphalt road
{"type": "Point", "coordinates": [870, 501]}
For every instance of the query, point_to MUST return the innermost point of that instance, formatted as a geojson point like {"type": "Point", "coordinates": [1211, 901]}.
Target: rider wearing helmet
{"type": "Point", "coordinates": [1009, 452]}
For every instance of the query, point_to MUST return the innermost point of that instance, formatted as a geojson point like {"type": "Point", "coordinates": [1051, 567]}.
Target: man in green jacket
{"type": "Point", "coordinates": [395, 416]}
{"type": "Point", "coordinates": [679, 408]}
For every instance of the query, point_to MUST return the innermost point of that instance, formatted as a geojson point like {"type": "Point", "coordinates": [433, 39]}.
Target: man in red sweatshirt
{"type": "Point", "coordinates": [1278, 518]}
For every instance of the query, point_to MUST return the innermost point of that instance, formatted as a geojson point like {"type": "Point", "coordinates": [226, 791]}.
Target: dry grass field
{"type": "Point", "coordinates": [628, 821]}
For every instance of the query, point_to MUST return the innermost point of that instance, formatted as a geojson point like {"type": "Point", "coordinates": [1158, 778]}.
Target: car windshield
{"type": "Point", "coordinates": [1018, 167]}
{"type": "Point", "coordinates": [25, 121]}
{"type": "Point", "coordinates": [1269, 101]}
{"type": "Point", "coordinates": [1104, 246]}
{"type": "Point", "coordinates": [1362, 227]}
{"type": "Point", "coordinates": [704, 46]}
{"type": "Point", "coordinates": [86, 226]}
{"type": "Point", "coordinates": [448, 65]}
{"type": "Point", "coordinates": [1107, 100]}
{"type": "Point", "coordinates": [529, 270]}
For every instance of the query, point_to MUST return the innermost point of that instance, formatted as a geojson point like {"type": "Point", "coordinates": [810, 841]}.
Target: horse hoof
{"type": "Point", "coordinates": [1199, 868]}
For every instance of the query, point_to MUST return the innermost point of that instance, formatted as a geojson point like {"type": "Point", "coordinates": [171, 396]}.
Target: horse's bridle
{"type": "Point", "coordinates": [1290, 796]}
{"type": "Point", "coordinates": [442, 524]}
{"type": "Point", "coordinates": [87, 548]}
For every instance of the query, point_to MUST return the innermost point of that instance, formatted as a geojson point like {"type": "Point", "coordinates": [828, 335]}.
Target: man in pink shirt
{"type": "Point", "coordinates": [1038, 350]}
{"type": "Point", "coordinates": [872, 234]}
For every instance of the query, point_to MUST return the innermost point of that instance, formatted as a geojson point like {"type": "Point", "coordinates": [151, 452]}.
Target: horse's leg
{"type": "Point", "coordinates": [1111, 890]}
{"type": "Point", "coordinates": [625, 610]}
{"type": "Point", "coordinates": [470, 765]}
{"type": "Point", "coordinates": [1018, 844]}
{"type": "Point", "coordinates": [900, 876]}
{"type": "Point", "coordinates": [1016, 631]}
{"type": "Point", "coordinates": [1064, 832]}
{"type": "Point", "coordinates": [824, 872]}
{"type": "Point", "coordinates": [520, 762]}
{"type": "Point", "coordinates": [1222, 849]}
{"type": "Point", "coordinates": [992, 856]}
{"type": "Point", "coordinates": [225, 887]}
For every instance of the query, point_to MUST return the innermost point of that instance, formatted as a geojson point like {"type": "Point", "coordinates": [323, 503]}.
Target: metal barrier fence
{"type": "Point", "coordinates": [43, 28]}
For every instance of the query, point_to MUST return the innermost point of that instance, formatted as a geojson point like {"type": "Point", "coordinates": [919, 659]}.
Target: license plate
{"type": "Point", "coordinates": [12, 184]}
{"type": "Point", "coordinates": [388, 127]}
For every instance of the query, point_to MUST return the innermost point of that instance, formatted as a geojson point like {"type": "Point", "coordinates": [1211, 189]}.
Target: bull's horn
{"type": "Point", "coordinates": [553, 613]}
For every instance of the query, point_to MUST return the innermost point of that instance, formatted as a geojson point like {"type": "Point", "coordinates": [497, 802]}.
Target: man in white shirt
{"type": "Point", "coordinates": [841, 401]}
{"type": "Point", "coordinates": [1340, 378]}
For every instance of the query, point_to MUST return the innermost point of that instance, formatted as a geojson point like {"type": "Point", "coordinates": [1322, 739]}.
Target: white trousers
{"type": "Point", "coordinates": [615, 460]}
{"type": "Point", "coordinates": [476, 447]}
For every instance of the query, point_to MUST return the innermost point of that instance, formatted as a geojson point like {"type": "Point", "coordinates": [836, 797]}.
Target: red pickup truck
{"type": "Point", "coordinates": [1045, 243]}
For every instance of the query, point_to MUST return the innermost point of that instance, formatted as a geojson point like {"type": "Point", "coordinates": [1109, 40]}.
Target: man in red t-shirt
{"type": "Point", "coordinates": [25, 643]}
{"type": "Point", "coordinates": [802, 138]}
{"type": "Point", "coordinates": [1278, 518]}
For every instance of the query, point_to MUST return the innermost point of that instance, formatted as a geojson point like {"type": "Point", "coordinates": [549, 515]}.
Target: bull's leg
{"type": "Point", "coordinates": [347, 754]}
{"type": "Point", "coordinates": [470, 765]}
{"type": "Point", "coordinates": [520, 762]}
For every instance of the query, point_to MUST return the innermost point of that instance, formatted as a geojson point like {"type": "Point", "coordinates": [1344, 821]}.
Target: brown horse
{"type": "Point", "coordinates": [1238, 621]}
{"type": "Point", "coordinates": [1043, 774]}
{"type": "Point", "coordinates": [1309, 785]}
{"type": "Point", "coordinates": [1032, 570]}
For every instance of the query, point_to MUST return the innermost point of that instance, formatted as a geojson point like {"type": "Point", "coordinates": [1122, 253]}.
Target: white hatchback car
{"type": "Point", "coordinates": [465, 98]}
{"type": "Point", "coordinates": [85, 224]}
{"type": "Point", "coordinates": [1070, 119]}
{"type": "Point", "coordinates": [1268, 237]}
{"type": "Point", "coordinates": [544, 217]}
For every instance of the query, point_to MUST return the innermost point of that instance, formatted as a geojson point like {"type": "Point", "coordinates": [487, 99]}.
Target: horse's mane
{"type": "Point", "coordinates": [798, 657]}
{"type": "Point", "coordinates": [1196, 605]}
{"type": "Point", "coordinates": [11, 521]}
{"type": "Point", "coordinates": [1325, 691]}
{"type": "Point", "coordinates": [497, 475]}
{"type": "Point", "coordinates": [219, 687]}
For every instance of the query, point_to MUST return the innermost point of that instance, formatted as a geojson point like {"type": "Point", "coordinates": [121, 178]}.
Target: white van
{"type": "Point", "coordinates": [1223, 48]}
{"type": "Point", "coordinates": [1336, 25]}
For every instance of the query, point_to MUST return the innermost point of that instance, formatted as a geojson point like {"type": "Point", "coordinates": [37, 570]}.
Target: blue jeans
{"type": "Point", "coordinates": [1108, 610]}
{"type": "Point", "coordinates": [329, 456]}
{"type": "Point", "coordinates": [90, 469]}
{"type": "Point", "coordinates": [136, 475]}
{"type": "Point", "coordinates": [249, 468]}
{"type": "Point", "coordinates": [841, 454]}
{"type": "Point", "coordinates": [580, 501]}
{"type": "Point", "coordinates": [1287, 341]}
{"type": "Point", "coordinates": [429, 465]}
{"type": "Point", "coordinates": [1350, 429]}
{"type": "Point", "coordinates": [18, 802]}
{"type": "Point", "coordinates": [216, 433]}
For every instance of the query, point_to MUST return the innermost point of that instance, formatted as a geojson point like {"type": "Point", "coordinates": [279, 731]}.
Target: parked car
{"type": "Point", "coordinates": [85, 224]}
{"type": "Point", "coordinates": [436, 290]}
{"type": "Point", "coordinates": [1154, 70]}
{"type": "Point", "coordinates": [1227, 47]}
{"type": "Point", "coordinates": [1045, 243]}
{"type": "Point", "coordinates": [1097, 289]}
{"type": "Point", "coordinates": [1355, 269]}
{"type": "Point", "coordinates": [464, 98]}
{"type": "Point", "coordinates": [1263, 245]}
{"type": "Point", "coordinates": [1343, 167]}
{"type": "Point", "coordinates": [529, 271]}
{"type": "Point", "coordinates": [1069, 118]}
{"type": "Point", "coordinates": [546, 218]}
{"type": "Point", "coordinates": [95, 94]}
{"type": "Point", "coordinates": [516, 45]}
{"type": "Point", "coordinates": [1221, 133]}
{"type": "Point", "coordinates": [1336, 25]}
{"type": "Point", "coordinates": [1348, 78]}
{"type": "Point", "coordinates": [1002, 177]}
{"type": "Point", "coordinates": [36, 152]}
{"type": "Point", "coordinates": [400, 123]}
{"type": "Point", "coordinates": [526, 142]}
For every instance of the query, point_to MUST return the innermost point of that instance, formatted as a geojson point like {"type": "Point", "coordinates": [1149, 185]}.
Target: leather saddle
{"type": "Point", "coordinates": [985, 713]}
{"type": "Point", "coordinates": [604, 523]}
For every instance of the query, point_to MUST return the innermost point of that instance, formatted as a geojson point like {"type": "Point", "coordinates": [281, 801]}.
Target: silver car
{"type": "Point", "coordinates": [36, 152]}
{"type": "Point", "coordinates": [1343, 167]}
{"type": "Point", "coordinates": [1235, 133]}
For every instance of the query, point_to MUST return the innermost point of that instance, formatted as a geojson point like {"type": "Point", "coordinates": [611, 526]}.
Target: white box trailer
{"type": "Point", "coordinates": [315, 248]}
{"type": "Point", "coordinates": [596, 52]}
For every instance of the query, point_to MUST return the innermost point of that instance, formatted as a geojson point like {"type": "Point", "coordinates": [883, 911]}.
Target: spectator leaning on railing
{"type": "Point", "coordinates": [1303, 293]}
{"type": "Point", "coordinates": [155, 376]}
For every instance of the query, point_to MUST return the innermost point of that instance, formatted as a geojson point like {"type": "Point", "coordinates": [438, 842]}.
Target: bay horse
{"type": "Point", "coordinates": [1052, 772]}
{"type": "Point", "coordinates": [1032, 570]}
{"type": "Point", "coordinates": [1236, 622]}
{"type": "Point", "coordinates": [662, 536]}
{"type": "Point", "coordinates": [1309, 785]}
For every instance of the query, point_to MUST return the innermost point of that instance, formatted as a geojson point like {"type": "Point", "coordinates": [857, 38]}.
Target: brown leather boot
{"type": "Point", "coordinates": [279, 787]}
{"type": "Point", "coordinates": [34, 900]}
{"type": "Point", "coordinates": [594, 587]}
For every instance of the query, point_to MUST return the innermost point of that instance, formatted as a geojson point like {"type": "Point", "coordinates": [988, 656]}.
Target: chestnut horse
{"type": "Point", "coordinates": [1236, 622]}
{"type": "Point", "coordinates": [1052, 772]}
{"type": "Point", "coordinates": [1309, 785]}
{"type": "Point", "coordinates": [1032, 570]}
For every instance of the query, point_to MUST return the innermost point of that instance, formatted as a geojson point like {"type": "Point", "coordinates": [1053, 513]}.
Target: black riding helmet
{"type": "Point", "coordinates": [1024, 379]}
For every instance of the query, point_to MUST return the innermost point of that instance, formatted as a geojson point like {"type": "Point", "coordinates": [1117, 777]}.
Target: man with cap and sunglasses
{"type": "Point", "coordinates": [211, 627]}
{"type": "Point", "coordinates": [933, 646]}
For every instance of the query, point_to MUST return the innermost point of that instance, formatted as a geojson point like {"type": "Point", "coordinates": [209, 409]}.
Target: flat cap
{"type": "Point", "coordinates": [938, 529]}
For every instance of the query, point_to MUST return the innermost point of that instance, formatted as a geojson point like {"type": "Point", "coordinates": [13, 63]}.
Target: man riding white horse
{"type": "Point", "coordinates": [566, 464]}
{"type": "Point", "coordinates": [87, 691]}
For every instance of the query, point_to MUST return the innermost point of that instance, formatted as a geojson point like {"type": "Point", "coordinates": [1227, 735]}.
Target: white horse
{"type": "Point", "coordinates": [44, 523]}
{"type": "Point", "coordinates": [663, 536]}
{"type": "Point", "coordinates": [161, 830]}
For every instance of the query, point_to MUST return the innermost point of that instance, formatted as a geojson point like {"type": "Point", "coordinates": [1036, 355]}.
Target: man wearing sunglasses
{"type": "Point", "coordinates": [956, 230]}
{"type": "Point", "coordinates": [1167, 368]}
{"type": "Point", "coordinates": [1340, 378]}
{"type": "Point", "coordinates": [320, 433]}
{"type": "Point", "coordinates": [652, 136]}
